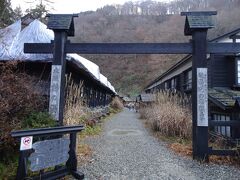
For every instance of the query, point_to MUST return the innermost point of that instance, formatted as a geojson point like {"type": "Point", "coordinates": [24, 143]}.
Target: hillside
{"type": "Point", "coordinates": [130, 73]}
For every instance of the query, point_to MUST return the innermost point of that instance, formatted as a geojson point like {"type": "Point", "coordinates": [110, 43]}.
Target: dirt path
{"type": "Point", "coordinates": [126, 150]}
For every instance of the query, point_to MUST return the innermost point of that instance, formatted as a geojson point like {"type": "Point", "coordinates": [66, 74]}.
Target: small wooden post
{"type": "Point", "coordinates": [88, 96]}
{"type": "Point", "coordinates": [105, 99]}
{"type": "Point", "coordinates": [72, 161]}
{"type": "Point", "coordinates": [91, 97]}
{"type": "Point", "coordinates": [94, 98]}
{"type": "Point", "coordinates": [102, 98]}
{"type": "Point", "coordinates": [22, 165]}
{"type": "Point", "coordinates": [98, 97]}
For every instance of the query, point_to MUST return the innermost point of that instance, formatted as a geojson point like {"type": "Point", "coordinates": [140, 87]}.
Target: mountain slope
{"type": "Point", "coordinates": [130, 73]}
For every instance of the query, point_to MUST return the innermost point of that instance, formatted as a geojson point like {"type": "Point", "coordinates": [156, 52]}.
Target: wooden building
{"type": "Point", "coordinates": [223, 84]}
{"type": "Point", "coordinates": [96, 91]}
{"type": "Point", "coordinates": [146, 98]}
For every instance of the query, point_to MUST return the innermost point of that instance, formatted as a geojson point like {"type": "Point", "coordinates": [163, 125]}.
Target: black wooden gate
{"type": "Point", "coordinates": [196, 25]}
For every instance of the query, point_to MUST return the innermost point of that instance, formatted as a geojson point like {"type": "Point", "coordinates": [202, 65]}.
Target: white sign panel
{"type": "Point", "coordinates": [55, 91]}
{"type": "Point", "coordinates": [202, 97]}
{"type": "Point", "coordinates": [26, 143]}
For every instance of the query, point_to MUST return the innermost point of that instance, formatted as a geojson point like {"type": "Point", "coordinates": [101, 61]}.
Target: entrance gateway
{"type": "Point", "coordinates": [196, 25]}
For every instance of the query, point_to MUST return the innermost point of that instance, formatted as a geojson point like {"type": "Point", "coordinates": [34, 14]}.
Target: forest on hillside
{"type": "Point", "coordinates": [138, 21]}
{"type": "Point", "coordinates": [146, 21]}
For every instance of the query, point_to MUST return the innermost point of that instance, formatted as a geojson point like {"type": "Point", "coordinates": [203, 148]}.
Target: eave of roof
{"type": "Point", "coordinates": [223, 97]}
{"type": "Point", "coordinates": [182, 61]}
{"type": "Point", "coordinates": [148, 97]}
{"type": "Point", "coordinates": [187, 57]}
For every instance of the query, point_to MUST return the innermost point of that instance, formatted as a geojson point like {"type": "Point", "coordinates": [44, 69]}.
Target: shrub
{"type": "Point", "coordinates": [18, 100]}
{"type": "Point", "coordinates": [38, 120]}
{"type": "Point", "coordinates": [116, 104]}
{"type": "Point", "coordinates": [168, 116]}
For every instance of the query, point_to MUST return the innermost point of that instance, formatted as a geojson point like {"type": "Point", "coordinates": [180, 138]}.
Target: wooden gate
{"type": "Point", "coordinates": [196, 25]}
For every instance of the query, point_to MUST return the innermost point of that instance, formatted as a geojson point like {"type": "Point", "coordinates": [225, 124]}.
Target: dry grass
{"type": "Point", "coordinates": [169, 116]}
{"type": "Point", "coordinates": [227, 160]}
{"type": "Point", "coordinates": [170, 120]}
{"type": "Point", "coordinates": [74, 111]}
{"type": "Point", "coordinates": [182, 149]}
{"type": "Point", "coordinates": [84, 153]}
{"type": "Point", "coordinates": [116, 104]}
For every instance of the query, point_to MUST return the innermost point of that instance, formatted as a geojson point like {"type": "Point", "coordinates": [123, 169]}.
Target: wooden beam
{"type": "Point", "coordinates": [113, 48]}
{"type": "Point", "coordinates": [38, 48]}
{"type": "Point", "coordinates": [132, 48]}
{"type": "Point", "coordinates": [222, 152]}
{"type": "Point", "coordinates": [224, 123]}
{"type": "Point", "coordinates": [199, 13]}
{"type": "Point", "coordinates": [223, 48]}
{"type": "Point", "coordinates": [129, 48]}
{"type": "Point", "coordinates": [226, 152]}
{"type": "Point", "coordinates": [235, 36]}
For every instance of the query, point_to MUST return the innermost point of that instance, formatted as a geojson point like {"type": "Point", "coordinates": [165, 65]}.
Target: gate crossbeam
{"type": "Point", "coordinates": [113, 48]}
{"type": "Point", "coordinates": [132, 48]}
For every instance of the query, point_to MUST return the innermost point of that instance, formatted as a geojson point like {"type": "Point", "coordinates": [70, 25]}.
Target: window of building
{"type": "Point", "coordinates": [188, 80]}
{"type": "Point", "coordinates": [238, 71]}
{"type": "Point", "coordinates": [173, 83]}
{"type": "Point", "coordinates": [223, 130]}
{"type": "Point", "coordinates": [165, 85]}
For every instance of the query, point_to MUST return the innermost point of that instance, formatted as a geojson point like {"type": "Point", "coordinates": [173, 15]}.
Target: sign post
{"type": "Point", "coordinates": [199, 96]}
{"type": "Point", "coordinates": [63, 26]}
{"type": "Point", "coordinates": [57, 87]}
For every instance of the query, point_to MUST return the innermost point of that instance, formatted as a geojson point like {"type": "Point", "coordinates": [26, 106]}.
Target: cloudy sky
{"type": "Point", "coordinates": [71, 6]}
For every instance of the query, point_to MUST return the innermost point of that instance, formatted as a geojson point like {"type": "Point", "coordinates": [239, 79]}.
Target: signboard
{"type": "Point", "coordinates": [49, 153]}
{"type": "Point", "coordinates": [26, 143]}
{"type": "Point", "coordinates": [202, 97]}
{"type": "Point", "coordinates": [54, 102]}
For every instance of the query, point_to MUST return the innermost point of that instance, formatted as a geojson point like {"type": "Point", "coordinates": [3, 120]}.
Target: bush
{"type": "Point", "coordinates": [38, 120]}
{"type": "Point", "coordinates": [8, 169]}
{"type": "Point", "coordinates": [116, 104]}
{"type": "Point", "coordinates": [18, 100]}
{"type": "Point", "coordinates": [168, 116]}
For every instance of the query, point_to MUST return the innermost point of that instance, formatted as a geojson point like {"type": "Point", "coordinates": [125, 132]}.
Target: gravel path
{"type": "Point", "coordinates": [126, 150]}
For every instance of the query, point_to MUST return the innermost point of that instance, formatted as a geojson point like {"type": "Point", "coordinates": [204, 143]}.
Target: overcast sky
{"type": "Point", "coordinates": [72, 6]}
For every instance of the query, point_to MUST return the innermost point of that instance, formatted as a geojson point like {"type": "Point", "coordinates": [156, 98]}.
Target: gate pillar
{"type": "Point", "coordinates": [197, 25]}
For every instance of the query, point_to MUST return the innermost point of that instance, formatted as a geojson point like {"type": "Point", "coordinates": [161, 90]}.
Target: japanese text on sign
{"type": "Point", "coordinates": [202, 97]}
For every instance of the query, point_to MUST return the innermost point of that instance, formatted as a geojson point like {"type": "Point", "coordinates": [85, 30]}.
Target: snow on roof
{"type": "Point", "coordinates": [35, 32]}
{"type": "Point", "coordinates": [111, 87]}
{"type": "Point", "coordinates": [88, 65]}
{"type": "Point", "coordinates": [104, 80]}
{"type": "Point", "coordinates": [7, 36]}
{"type": "Point", "coordinates": [12, 41]}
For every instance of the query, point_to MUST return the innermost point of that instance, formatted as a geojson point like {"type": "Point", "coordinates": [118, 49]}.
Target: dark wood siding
{"type": "Point", "coordinates": [209, 66]}
{"type": "Point", "coordinates": [178, 83]}
{"type": "Point", "coordinates": [221, 71]}
{"type": "Point", "coordinates": [231, 70]}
